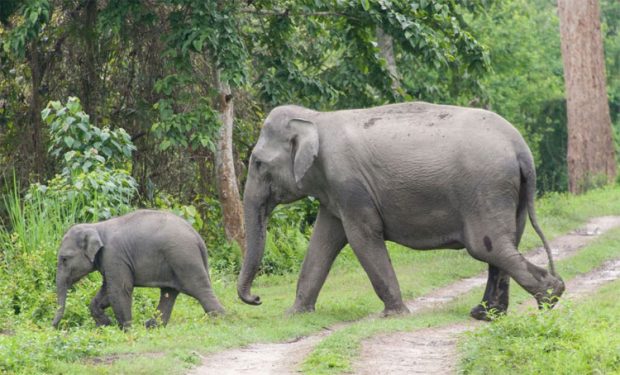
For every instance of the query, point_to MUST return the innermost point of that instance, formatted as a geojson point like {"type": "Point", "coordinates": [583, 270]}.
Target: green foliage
{"type": "Point", "coordinates": [33, 15]}
{"type": "Point", "coordinates": [38, 350]}
{"type": "Point", "coordinates": [581, 339]}
{"type": "Point", "coordinates": [343, 66]}
{"type": "Point", "coordinates": [96, 162]}
{"type": "Point", "coordinates": [28, 257]}
{"type": "Point", "coordinates": [194, 129]}
{"type": "Point", "coordinates": [81, 144]}
{"type": "Point", "coordinates": [526, 83]}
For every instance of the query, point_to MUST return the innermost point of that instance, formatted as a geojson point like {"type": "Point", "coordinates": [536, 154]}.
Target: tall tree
{"type": "Point", "coordinates": [591, 159]}
{"type": "Point", "coordinates": [228, 190]}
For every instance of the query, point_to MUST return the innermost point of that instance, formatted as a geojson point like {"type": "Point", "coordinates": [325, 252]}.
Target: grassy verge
{"type": "Point", "coordinates": [582, 338]}
{"type": "Point", "coordinates": [29, 345]}
{"type": "Point", "coordinates": [336, 353]}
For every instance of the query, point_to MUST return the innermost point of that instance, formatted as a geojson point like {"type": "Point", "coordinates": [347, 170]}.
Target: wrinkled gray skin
{"type": "Point", "coordinates": [422, 175]}
{"type": "Point", "coordinates": [144, 248]}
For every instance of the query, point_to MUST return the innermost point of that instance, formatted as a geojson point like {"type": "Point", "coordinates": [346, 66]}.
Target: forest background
{"type": "Point", "coordinates": [106, 106]}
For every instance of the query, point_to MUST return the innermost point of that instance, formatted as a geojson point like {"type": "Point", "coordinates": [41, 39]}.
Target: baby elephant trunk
{"type": "Point", "coordinates": [61, 290]}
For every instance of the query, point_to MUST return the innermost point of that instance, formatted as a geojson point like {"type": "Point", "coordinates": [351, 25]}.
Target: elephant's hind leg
{"type": "Point", "coordinates": [496, 295]}
{"type": "Point", "coordinates": [97, 306]}
{"type": "Point", "coordinates": [327, 240]}
{"type": "Point", "coordinates": [167, 298]}
{"type": "Point", "coordinates": [197, 283]}
{"type": "Point", "coordinates": [501, 252]}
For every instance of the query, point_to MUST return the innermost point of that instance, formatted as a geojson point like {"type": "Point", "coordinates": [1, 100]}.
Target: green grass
{"type": "Point", "coordinates": [336, 353]}
{"type": "Point", "coordinates": [582, 338]}
{"type": "Point", "coordinates": [32, 346]}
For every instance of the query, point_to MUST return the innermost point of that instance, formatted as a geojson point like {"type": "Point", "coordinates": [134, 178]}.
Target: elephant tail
{"type": "Point", "coordinates": [203, 253]}
{"type": "Point", "coordinates": [528, 179]}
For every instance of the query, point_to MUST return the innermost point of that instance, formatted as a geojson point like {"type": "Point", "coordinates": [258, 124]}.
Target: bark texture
{"type": "Point", "coordinates": [591, 157]}
{"type": "Point", "coordinates": [228, 191]}
{"type": "Point", "coordinates": [386, 48]}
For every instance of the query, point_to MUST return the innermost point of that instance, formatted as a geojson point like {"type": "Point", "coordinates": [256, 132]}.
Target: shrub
{"type": "Point", "coordinates": [96, 164]}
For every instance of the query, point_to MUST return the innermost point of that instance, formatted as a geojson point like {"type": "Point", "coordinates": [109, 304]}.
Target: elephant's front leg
{"type": "Point", "coordinates": [328, 238]}
{"type": "Point", "coordinates": [120, 291]}
{"type": "Point", "coordinates": [365, 234]}
{"type": "Point", "coordinates": [496, 294]}
{"type": "Point", "coordinates": [97, 306]}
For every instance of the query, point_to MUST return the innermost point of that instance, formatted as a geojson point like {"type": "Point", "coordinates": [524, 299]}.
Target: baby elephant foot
{"type": "Point", "coordinates": [482, 312]}
{"type": "Point", "coordinates": [400, 309]}
{"type": "Point", "coordinates": [102, 321]}
{"type": "Point", "coordinates": [300, 309]}
{"type": "Point", "coordinates": [550, 296]}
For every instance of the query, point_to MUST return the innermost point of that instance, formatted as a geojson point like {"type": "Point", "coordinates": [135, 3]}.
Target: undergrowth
{"type": "Point", "coordinates": [581, 338]}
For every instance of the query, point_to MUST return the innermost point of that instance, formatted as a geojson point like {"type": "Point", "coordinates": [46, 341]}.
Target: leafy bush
{"type": "Point", "coordinates": [288, 234]}
{"type": "Point", "coordinates": [96, 163]}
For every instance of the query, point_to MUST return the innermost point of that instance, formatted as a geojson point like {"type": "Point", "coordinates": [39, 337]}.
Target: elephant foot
{"type": "Point", "coordinates": [296, 309]}
{"type": "Point", "coordinates": [481, 312]}
{"type": "Point", "coordinates": [151, 323]}
{"type": "Point", "coordinates": [400, 309]}
{"type": "Point", "coordinates": [550, 296]}
{"type": "Point", "coordinates": [217, 312]}
{"type": "Point", "coordinates": [103, 321]}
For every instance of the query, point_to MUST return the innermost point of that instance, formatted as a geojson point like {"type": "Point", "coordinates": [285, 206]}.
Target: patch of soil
{"type": "Point", "coordinates": [109, 359]}
{"type": "Point", "coordinates": [385, 356]}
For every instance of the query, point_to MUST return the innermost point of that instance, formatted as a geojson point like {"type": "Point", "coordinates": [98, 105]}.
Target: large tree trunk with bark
{"type": "Point", "coordinates": [230, 201]}
{"type": "Point", "coordinates": [591, 158]}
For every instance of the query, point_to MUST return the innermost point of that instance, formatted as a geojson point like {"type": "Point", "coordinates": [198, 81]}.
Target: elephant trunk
{"type": "Point", "coordinates": [61, 290]}
{"type": "Point", "coordinates": [256, 212]}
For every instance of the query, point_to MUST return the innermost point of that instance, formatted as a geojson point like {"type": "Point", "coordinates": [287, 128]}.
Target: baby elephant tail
{"type": "Point", "coordinates": [528, 178]}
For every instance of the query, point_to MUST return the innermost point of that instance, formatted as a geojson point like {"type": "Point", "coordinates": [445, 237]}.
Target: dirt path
{"type": "Point", "coordinates": [284, 358]}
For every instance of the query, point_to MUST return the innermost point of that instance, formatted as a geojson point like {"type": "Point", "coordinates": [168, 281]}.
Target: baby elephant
{"type": "Point", "coordinates": [143, 248]}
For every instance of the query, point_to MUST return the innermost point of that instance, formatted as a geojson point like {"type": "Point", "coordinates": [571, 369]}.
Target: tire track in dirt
{"type": "Point", "coordinates": [434, 350]}
{"type": "Point", "coordinates": [285, 358]}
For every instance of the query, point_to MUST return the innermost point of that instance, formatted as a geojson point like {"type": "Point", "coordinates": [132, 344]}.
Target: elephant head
{"type": "Point", "coordinates": [283, 156]}
{"type": "Point", "coordinates": [76, 259]}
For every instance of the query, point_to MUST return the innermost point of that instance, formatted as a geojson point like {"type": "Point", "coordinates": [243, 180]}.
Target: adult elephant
{"type": "Point", "coordinates": [422, 175]}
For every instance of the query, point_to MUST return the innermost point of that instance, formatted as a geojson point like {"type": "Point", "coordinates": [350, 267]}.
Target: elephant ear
{"type": "Point", "coordinates": [305, 146]}
{"type": "Point", "coordinates": [91, 243]}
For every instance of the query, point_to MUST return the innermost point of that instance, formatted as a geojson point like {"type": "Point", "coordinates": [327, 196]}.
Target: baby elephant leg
{"type": "Point", "coordinates": [166, 301]}
{"type": "Point", "coordinates": [97, 306]}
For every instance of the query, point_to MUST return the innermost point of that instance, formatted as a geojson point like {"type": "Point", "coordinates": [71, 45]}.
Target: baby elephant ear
{"type": "Point", "coordinates": [305, 146]}
{"type": "Point", "coordinates": [92, 243]}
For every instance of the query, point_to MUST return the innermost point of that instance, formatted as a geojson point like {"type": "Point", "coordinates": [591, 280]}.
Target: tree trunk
{"type": "Point", "coordinates": [386, 48]}
{"type": "Point", "coordinates": [88, 61]}
{"type": "Point", "coordinates": [37, 69]}
{"type": "Point", "coordinates": [591, 159]}
{"type": "Point", "coordinates": [227, 188]}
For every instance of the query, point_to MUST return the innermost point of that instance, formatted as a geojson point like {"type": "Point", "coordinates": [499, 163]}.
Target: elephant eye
{"type": "Point", "coordinates": [257, 163]}
{"type": "Point", "coordinates": [63, 260]}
